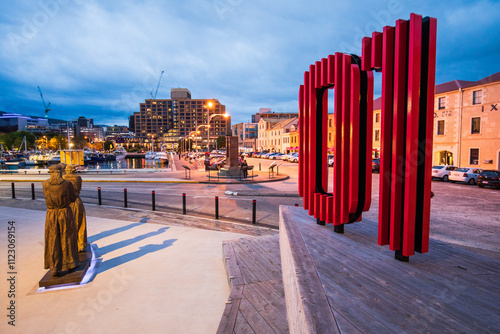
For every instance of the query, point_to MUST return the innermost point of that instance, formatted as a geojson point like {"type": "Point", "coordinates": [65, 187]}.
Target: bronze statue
{"type": "Point", "coordinates": [77, 207]}
{"type": "Point", "coordinates": [61, 246]}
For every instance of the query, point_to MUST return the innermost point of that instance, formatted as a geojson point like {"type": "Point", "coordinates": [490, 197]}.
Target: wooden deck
{"type": "Point", "coordinates": [448, 290]}
{"type": "Point", "coordinates": [257, 301]}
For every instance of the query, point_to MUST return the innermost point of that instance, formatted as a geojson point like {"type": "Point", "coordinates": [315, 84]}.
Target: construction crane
{"type": "Point", "coordinates": [46, 106]}
{"type": "Point", "coordinates": [156, 92]}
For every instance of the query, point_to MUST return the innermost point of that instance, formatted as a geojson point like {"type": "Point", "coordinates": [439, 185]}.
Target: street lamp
{"type": "Point", "coordinates": [209, 118]}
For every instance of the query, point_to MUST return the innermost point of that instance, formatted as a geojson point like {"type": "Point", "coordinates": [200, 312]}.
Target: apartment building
{"type": "Point", "coordinates": [466, 123]}
{"type": "Point", "coordinates": [170, 120]}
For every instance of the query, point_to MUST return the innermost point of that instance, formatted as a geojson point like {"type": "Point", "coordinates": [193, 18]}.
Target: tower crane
{"type": "Point", "coordinates": [156, 92]}
{"type": "Point", "coordinates": [46, 106]}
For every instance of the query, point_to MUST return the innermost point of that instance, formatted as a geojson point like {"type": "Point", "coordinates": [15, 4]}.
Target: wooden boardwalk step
{"type": "Point", "coordinates": [256, 303]}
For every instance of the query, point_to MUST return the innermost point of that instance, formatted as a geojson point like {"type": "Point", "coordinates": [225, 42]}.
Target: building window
{"type": "Point", "coordinates": [475, 125]}
{"type": "Point", "coordinates": [441, 103]}
{"type": "Point", "coordinates": [477, 97]}
{"type": "Point", "coordinates": [329, 137]}
{"type": "Point", "coordinates": [440, 128]}
{"type": "Point", "coordinates": [474, 156]}
{"type": "Point", "coordinates": [377, 135]}
{"type": "Point", "coordinates": [377, 117]}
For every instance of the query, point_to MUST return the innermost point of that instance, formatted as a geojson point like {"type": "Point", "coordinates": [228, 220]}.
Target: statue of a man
{"type": "Point", "coordinates": [77, 207]}
{"type": "Point", "coordinates": [61, 246]}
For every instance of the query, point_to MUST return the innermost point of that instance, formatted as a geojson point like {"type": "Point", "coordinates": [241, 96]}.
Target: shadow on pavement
{"type": "Point", "coordinates": [144, 250]}
{"type": "Point", "coordinates": [107, 233]}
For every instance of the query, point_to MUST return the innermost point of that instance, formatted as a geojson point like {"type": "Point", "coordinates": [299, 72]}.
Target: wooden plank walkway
{"type": "Point", "coordinates": [257, 300]}
{"type": "Point", "coordinates": [450, 289]}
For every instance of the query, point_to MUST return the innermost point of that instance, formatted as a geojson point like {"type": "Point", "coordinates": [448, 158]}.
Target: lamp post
{"type": "Point", "coordinates": [209, 118]}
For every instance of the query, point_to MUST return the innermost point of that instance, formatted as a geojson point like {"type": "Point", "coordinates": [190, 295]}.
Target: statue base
{"type": "Point", "coordinates": [230, 172]}
{"type": "Point", "coordinates": [66, 277]}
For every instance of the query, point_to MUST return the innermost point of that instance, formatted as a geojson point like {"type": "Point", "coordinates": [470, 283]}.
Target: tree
{"type": "Point", "coordinates": [80, 142]}
{"type": "Point", "coordinates": [221, 142]}
{"type": "Point", "coordinates": [108, 145]}
{"type": "Point", "coordinates": [58, 142]}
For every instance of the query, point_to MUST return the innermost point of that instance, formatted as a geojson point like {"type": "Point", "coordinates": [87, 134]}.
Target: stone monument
{"type": "Point", "coordinates": [231, 168]}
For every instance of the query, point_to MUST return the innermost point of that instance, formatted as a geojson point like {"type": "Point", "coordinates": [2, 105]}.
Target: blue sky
{"type": "Point", "coordinates": [100, 59]}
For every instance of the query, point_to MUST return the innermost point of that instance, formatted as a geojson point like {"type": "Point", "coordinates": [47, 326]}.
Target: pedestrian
{"type": "Point", "coordinates": [244, 167]}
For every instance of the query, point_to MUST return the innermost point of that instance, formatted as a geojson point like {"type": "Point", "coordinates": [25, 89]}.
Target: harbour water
{"type": "Point", "coordinates": [132, 163]}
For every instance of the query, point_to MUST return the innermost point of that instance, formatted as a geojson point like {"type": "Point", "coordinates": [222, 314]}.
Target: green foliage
{"type": "Point", "coordinates": [108, 145]}
{"type": "Point", "coordinates": [221, 142]}
{"type": "Point", "coordinates": [79, 142]}
{"type": "Point", "coordinates": [12, 140]}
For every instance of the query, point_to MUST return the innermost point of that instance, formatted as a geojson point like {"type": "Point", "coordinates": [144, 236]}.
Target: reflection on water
{"type": "Point", "coordinates": [134, 163]}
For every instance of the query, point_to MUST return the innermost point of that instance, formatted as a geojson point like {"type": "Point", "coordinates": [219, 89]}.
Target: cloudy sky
{"type": "Point", "coordinates": [100, 59]}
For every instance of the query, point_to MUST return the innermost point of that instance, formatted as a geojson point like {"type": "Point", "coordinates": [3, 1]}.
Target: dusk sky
{"type": "Point", "coordinates": [100, 59]}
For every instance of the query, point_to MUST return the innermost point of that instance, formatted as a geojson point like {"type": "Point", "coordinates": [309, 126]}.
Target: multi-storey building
{"type": "Point", "coordinates": [247, 135]}
{"type": "Point", "coordinates": [271, 132]}
{"type": "Point", "coordinates": [268, 120]}
{"type": "Point", "coordinates": [466, 123]}
{"type": "Point", "coordinates": [166, 121]}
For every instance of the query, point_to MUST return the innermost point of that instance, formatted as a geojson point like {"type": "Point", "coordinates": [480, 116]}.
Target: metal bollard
{"type": "Point", "coordinates": [32, 191]}
{"type": "Point", "coordinates": [13, 190]}
{"type": "Point", "coordinates": [125, 204]}
{"type": "Point", "coordinates": [254, 211]}
{"type": "Point", "coordinates": [153, 204]}
{"type": "Point", "coordinates": [259, 167]}
{"type": "Point", "coordinates": [183, 203]}
{"type": "Point", "coordinates": [216, 207]}
{"type": "Point", "coordinates": [99, 200]}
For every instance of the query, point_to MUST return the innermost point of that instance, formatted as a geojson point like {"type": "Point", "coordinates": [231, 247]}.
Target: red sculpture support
{"type": "Point", "coordinates": [406, 56]}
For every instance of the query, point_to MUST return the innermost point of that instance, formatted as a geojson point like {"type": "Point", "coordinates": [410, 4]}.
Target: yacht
{"type": "Point", "coordinates": [120, 152]}
{"type": "Point", "coordinates": [161, 156]}
{"type": "Point", "coordinates": [151, 155]}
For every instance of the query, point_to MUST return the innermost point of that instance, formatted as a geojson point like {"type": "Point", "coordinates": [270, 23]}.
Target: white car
{"type": "Point", "coordinates": [442, 172]}
{"type": "Point", "coordinates": [330, 160]}
{"type": "Point", "coordinates": [466, 174]}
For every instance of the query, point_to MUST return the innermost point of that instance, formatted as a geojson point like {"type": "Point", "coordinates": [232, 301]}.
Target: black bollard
{"type": "Point", "coordinates": [99, 200]}
{"type": "Point", "coordinates": [296, 204]}
{"type": "Point", "coordinates": [13, 190]}
{"type": "Point", "coordinates": [216, 207]}
{"type": "Point", "coordinates": [259, 167]}
{"type": "Point", "coordinates": [32, 191]}
{"type": "Point", "coordinates": [153, 200]}
{"type": "Point", "coordinates": [254, 211]}
{"type": "Point", "coordinates": [183, 203]}
{"type": "Point", "coordinates": [125, 204]}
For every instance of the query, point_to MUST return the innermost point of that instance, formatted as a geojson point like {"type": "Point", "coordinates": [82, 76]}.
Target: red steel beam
{"type": "Point", "coordinates": [413, 116]}
{"type": "Point", "coordinates": [398, 135]}
{"type": "Point", "coordinates": [369, 131]}
{"type": "Point", "coordinates": [353, 138]}
{"type": "Point", "coordinates": [301, 137]}
{"type": "Point", "coordinates": [337, 166]}
{"type": "Point", "coordinates": [304, 147]}
{"type": "Point", "coordinates": [345, 147]}
{"type": "Point", "coordinates": [376, 54]}
{"type": "Point", "coordinates": [311, 157]}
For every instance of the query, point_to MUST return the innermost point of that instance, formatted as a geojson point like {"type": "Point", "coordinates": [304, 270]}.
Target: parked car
{"type": "Point", "coordinates": [295, 158]}
{"type": "Point", "coordinates": [442, 172]}
{"type": "Point", "coordinates": [277, 156]}
{"type": "Point", "coordinates": [466, 174]}
{"type": "Point", "coordinates": [330, 160]}
{"type": "Point", "coordinates": [376, 165]}
{"type": "Point", "coordinates": [489, 178]}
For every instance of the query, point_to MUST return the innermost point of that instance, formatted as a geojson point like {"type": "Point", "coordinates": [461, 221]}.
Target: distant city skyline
{"type": "Point", "coordinates": [100, 60]}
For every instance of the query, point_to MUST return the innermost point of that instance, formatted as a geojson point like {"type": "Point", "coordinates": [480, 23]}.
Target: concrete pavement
{"type": "Point", "coordinates": [148, 277]}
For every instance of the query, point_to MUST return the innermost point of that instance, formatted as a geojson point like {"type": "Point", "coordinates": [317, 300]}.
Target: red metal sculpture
{"type": "Point", "coordinates": [406, 56]}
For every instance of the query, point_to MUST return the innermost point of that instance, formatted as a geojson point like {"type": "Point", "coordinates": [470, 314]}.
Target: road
{"type": "Point", "coordinates": [460, 214]}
